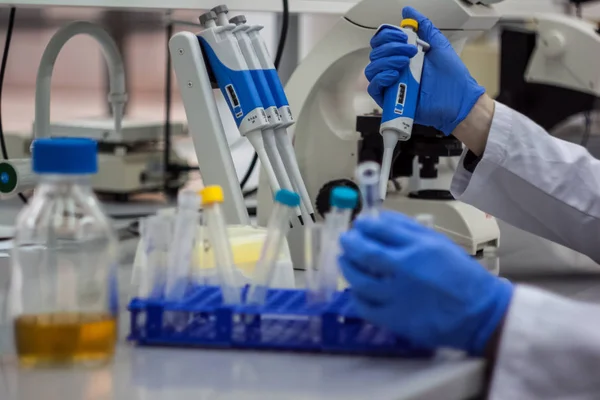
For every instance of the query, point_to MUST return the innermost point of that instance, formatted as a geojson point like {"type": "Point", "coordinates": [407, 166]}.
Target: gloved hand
{"type": "Point", "coordinates": [420, 285]}
{"type": "Point", "coordinates": [448, 92]}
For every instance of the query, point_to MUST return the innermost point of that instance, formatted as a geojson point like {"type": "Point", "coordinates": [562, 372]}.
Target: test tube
{"type": "Point", "coordinates": [212, 198]}
{"type": "Point", "coordinates": [182, 247]}
{"type": "Point", "coordinates": [312, 251]}
{"type": "Point", "coordinates": [343, 201]}
{"type": "Point", "coordinates": [277, 229]}
{"type": "Point", "coordinates": [368, 177]}
{"type": "Point", "coordinates": [159, 233]}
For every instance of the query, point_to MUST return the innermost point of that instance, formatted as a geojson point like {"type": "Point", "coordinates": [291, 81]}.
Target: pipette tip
{"type": "Point", "coordinates": [312, 216]}
{"type": "Point", "coordinates": [301, 220]}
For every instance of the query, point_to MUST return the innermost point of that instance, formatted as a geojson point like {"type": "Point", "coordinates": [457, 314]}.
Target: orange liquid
{"type": "Point", "coordinates": [65, 338]}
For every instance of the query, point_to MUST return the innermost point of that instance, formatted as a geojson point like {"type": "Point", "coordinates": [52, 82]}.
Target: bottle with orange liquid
{"type": "Point", "coordinates": [63, 297]}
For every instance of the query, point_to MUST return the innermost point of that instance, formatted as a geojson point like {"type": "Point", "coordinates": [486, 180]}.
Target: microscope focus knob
{"type": "Point", "coordinates": [323, 197]}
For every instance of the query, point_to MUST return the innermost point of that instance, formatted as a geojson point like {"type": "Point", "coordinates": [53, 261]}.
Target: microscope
{"type": "Point", "coordinates": [334, 132]}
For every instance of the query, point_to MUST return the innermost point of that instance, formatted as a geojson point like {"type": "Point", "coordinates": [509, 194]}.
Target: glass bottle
{"type": "Point", "coordinates": [63, 297]}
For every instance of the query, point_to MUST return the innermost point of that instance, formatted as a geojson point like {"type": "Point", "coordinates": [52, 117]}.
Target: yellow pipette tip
{"type": "Point", "coordinates": [212, 195]}
{"type": "Point", "coordinates": [409, 23]}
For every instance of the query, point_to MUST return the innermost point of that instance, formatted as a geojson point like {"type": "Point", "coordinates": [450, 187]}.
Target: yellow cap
{"type": "Point", "coordinates": [409, 23]}
{"type": "Point", "coordinates": [211, 195]}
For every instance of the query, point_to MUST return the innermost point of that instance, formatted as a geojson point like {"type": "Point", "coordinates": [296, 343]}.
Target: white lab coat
{"type": "Point", "coordinates": [550, 348]}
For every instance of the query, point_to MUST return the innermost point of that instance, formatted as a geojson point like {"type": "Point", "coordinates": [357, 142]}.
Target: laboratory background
{"type": "Point", "coordinates": [191, 198]}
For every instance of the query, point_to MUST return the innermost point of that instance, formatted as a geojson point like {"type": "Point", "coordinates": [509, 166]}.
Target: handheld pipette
{"type": "Point", "coordinates": [277, 230]}
{"type": "Point", "coordinates": [343, 201]}
{"type": "Point", "coordinates": [235, 81]}
{"type": "Point", "coordinates": [284, 142]}
{"type": "Point", "coordinates": [157, 241]}
{"type": "Point", "coordinates": [182, 246]}
{"type": "Point", "coordinates": [367, 175]}
{"type": "Point", "coordinates": [212, 198]}
{"type": "Point", "coordinates": [266, 98]}
{"type": "Point", "coordinates": [400, 102]}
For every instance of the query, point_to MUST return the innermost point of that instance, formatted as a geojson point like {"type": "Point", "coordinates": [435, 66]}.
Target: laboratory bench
{"type": "Point", "coordinates": [146, 373]}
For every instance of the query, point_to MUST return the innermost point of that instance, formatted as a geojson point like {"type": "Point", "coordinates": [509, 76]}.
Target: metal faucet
{"type": "Point", "coordinates": [116, 69]}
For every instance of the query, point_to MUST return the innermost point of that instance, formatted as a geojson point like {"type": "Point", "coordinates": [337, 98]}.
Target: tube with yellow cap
{"type": "Point", "coordinates": [212, 198]}
{"type": "Point", "coordinates": [400, 102]}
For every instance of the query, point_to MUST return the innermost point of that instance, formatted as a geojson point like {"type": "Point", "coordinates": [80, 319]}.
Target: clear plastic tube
{"type": "Point", "coordinates": [212, 198]}
{"type": "Point", "coordinates": [182, 247]}
{"type": "Point", "coordinates": [277, 230]}
{"type": "Point", "coordinates": [368, 177]}
{"type": "Point", "coordinates": [159, 234]}
{"type": "Point", "coordinates": [312, 251]}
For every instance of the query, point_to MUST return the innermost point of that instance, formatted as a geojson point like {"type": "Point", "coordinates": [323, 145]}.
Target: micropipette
{"type": "Point", "coordinates": [277, 230]}
{"type": "Point", "coordinates": [264, 92]}
{"type": "Point", "coordinates": [235, 81]}
{"type": "Point", "coordinates": [400, 101]}
{"type": "Point", "coordinates": [343, 201]}
{"type": "Point", "coordinates": [284, 142]}
{"type": "Point", "coordinates": [368, 175]}
{"type": "Point", "coordinates": [182, 246]}
{"type": "Point", "coordinates": [212, 198]}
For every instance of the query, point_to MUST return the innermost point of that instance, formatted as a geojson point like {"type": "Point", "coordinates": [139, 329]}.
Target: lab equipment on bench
{"type": "Point", "coordinates": [268, 102]}
{"type": "Point", "coordinates": [63, 295]}
{"type": "Point", "coordinates": [235, 81]}
{"type": "Point", "coordinates": [182, 245]}
{"type": "Point", "coordinates": [330, 141]}
{"type": "Point", "coordinates": [212, 198]}
{"type": "Point", "coordinates": [400, 101]}
{"type": "Point", "coordinates": [130, 158]}
{"type": "Point", "coordinates": [284, 141]}
{"type": "Point", "coordinates": [277, 229]}
{"type": "Point", "coordinates": [337, 221]}
{"type": "Point", "coordinates": [368, 178]}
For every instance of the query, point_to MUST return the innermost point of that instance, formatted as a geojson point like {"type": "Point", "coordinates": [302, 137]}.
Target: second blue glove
{"type": "Point", "coordinates": [420, 285]}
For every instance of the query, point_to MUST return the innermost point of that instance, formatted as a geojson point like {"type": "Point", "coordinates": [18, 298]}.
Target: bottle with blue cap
{"type": "Point", "coordinates": [278, 227]}
{"type": "Point", "coordinates": [63, 296]}
{"type": "Point", "coordinates": [343, 201]}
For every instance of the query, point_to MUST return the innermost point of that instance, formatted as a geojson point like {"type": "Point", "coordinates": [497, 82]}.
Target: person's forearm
{"type": "Point", "coordinates": [475, 129]}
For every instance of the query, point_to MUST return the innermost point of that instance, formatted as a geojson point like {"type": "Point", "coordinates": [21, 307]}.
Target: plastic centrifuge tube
{"type": "Point", "coordinates": [343, 201]}
{"type": "Point", "coordinates": [182, 246]}
{"type": "Point", "coordinates": [277, 229]}
{"type": "Point", "coordinates": [312, 251]}
{"type": "Point", "coordinates": [159, 234]}
{"type": "Point", "coordinates": [368, 177]}
{"type": "Point", "coordinates": [212, 198]}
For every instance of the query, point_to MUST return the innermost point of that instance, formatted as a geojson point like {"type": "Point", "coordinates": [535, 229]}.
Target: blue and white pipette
{"type": "Point", "coordinates": [235, 81]}
{"type": "Point", "coordinates": [264, 92]}
{"type": "Point", "coordinates": [284, 142]}
{"type": "Point", "coordinates": [400, 102]}
{"type": "Point", "coordinates": [277, 230]}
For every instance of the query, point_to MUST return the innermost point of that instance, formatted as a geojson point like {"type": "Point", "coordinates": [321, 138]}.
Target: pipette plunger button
{"type": "Point", "coordinates": [208, 16]}
{"type": "Point", "coordinates": [238, 20]}
{"type": "Point", "coordinates": [222, 8]}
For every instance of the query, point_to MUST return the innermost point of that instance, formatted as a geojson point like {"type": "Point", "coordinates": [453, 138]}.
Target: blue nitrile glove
{"type": "Point", "coordinates": [448, 91]}
{"type": "Point", "coordinates": [420, 285]}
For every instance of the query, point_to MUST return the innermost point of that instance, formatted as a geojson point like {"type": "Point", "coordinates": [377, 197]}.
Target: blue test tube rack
{"type": "Point", "coordinates": [286, 322]}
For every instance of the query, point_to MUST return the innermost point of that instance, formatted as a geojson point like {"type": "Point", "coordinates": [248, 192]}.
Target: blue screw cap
{"type": "Point", "coordinates": [287, 198]}
{"type": "Point", "coordinates": [344, 197]}
{"type": "Point", "coordinates": [68, 156]}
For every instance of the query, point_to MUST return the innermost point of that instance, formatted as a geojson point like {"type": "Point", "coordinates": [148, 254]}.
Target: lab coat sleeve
{"type": "Point", "coordinates": [549, 349]}
{"type": "Point", "coordinates": [535, 182]}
